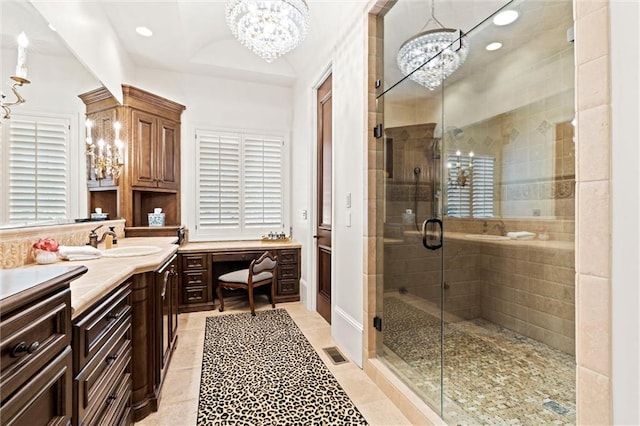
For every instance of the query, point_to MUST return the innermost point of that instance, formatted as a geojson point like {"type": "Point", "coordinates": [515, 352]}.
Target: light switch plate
{"type": "Point", "coordinates": [349, 200]}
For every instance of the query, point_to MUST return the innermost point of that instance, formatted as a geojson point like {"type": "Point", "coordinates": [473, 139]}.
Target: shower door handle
{"type": "Point", "coordinates": [432, 234]}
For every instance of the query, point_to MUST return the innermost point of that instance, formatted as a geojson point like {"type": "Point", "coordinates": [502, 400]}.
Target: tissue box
{"type": "Point", "coordinates": [156, 219]}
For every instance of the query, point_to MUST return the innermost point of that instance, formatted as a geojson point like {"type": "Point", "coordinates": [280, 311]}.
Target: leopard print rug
{"type": "Point", "coordinates": [262, 371]}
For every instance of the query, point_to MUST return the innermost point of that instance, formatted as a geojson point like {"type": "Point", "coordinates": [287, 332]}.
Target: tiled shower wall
{"type": "Point", "coordinates": [524, 286]}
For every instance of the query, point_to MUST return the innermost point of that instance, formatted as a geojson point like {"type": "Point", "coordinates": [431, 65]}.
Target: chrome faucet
{"type": "Point", "coordinates": [501, 227]}
{"type": "Point", "coordinates": [93, 237]}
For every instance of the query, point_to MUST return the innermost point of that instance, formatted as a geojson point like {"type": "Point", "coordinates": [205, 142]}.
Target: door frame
{"type": "Point", "coordinates": [312, 277]}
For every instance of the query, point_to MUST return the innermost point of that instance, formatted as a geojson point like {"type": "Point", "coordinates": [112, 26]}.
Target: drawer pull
{"type": "Point", "coordinates": [109, 359]}
{"type": "Point", "coordinates": [111, 398]}
{"type": "Point", "coordinates": [22, 349]}
{"type": "Point", "coordinates": [113, 316]}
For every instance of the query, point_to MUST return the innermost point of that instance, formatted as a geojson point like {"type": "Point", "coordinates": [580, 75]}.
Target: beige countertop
{"type": "Point", "coordinates": [215, 246]}
{"type": "Point", "coordinates": [106, 273]}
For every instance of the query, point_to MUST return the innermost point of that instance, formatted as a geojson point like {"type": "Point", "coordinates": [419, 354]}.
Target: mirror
{"type": "Point", "coordinates": [56, 79]}
{"type": "Point", "coordinates": [511, 107]}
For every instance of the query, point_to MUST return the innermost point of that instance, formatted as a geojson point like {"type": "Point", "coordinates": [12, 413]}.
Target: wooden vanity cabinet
{"type": "Point", "coordinates": [167, 305]}
{"type": "Point", "coordinates": [199, 272]}
{"type": "Point", "coordinates": [155, 333]}
{"type": "Point", "coordinates": [102, 349]}
{"type": "Point", "coordinates": [35, 350]}
{"type": "Point", "coordinates": [156, 144]}
{"type": "Point", "coordinates": [195, 289]}
{"type": "Point", "coordinates": [151, 172]}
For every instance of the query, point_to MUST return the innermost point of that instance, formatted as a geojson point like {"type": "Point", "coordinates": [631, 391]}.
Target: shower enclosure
{"type": "Point", "coordinates": [478, 304]}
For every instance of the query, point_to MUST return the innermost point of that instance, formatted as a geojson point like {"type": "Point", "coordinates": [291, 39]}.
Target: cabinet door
{"type": "Point", "coordinates": [168, 154]}
{"type": "Point", "coordinates": [144, 129]}
{"type": "Point", "coordinates": [174, 302]}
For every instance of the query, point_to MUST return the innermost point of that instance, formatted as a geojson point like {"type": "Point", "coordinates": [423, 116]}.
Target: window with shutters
{"type": "Point", "coordinates": [36, 158]}
{"type": "Point", "coordinates": [476, 197]}
{"type": "Point", "coordinates": [240, 191]}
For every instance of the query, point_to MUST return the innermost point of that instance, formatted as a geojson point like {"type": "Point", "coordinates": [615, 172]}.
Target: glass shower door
{"type": "Point", "coordinates": [411, 343]}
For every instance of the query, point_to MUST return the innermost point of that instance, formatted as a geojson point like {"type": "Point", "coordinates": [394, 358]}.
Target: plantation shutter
{"type": "Point", "coordinates": [458, 197]}
{"type": "Point", "coordinates": [240, 183]}
{"type": "Point", "coordinates": [262, 182]}
{"type": "Point", "coordinates": [38, 168]}
{"type": "Point", "coordinates": [483, 186]}
{"type": "Point", "coordinates": [476, 198]}
{"type": "Point", "coordinates": [219, 181]}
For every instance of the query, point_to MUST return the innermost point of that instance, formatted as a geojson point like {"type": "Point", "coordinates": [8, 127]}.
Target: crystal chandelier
{"type": "Point", "coordinates": [431, 56]}
{"type": "Point", "coordinates": [270, 28]}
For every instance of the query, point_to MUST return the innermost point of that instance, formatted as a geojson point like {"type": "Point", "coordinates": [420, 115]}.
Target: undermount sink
{"type": "Point", "coordinates": [131, 251]}
{"type": "Point", "coordinates": [486, 237]}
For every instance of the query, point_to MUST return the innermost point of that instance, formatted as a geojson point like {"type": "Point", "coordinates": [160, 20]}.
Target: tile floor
{"type": "Point", "coordinates": [179, 403]}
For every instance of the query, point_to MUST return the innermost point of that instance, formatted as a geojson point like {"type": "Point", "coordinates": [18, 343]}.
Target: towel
{"type": "Point", "coordinates": [521, 235]}
{"type": "Point", "coordinates": [79, 252]}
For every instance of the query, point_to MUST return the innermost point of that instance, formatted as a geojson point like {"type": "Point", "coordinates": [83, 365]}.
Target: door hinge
{"type": "Point", "coordinates": [377, 323]}
{"type": "Point", "coordinates": [377, 131]}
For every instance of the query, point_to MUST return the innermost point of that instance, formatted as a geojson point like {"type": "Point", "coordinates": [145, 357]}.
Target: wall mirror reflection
{"type": "Point", "coordinates": [42, 157]}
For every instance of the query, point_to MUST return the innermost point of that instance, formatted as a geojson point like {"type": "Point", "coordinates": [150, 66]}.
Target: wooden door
{"type": "Point", "coordinates": [324, 201]}
{"type": "Point", "coordinates": [168, 151]}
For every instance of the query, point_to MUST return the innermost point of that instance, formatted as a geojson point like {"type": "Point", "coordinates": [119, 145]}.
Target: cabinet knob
{"type": "Point", "coordinates": [113, 316]}
{"type": "Point", "coordinates": [110, 399]}
{"type": "Point", "coordinates": [22, 349]}
{"type": "Point", "coordinates": [110, 358]}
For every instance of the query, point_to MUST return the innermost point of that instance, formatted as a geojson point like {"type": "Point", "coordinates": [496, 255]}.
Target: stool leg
{"type": "Point", "coordinates": [219, 292]}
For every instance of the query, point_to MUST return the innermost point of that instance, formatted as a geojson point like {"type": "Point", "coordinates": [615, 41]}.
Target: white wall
{"type": "Point", "coordinates": [349, 144]}
{"type": "Point", "coordinates": [625, 110]}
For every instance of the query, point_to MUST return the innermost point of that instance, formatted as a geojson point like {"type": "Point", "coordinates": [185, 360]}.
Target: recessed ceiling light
{"type": "Point", "coordinates": [505, 17]}
{"type": "Point", "coordinates": [144, 31]}
{"type": "Point", "coordinates": [494, 46]}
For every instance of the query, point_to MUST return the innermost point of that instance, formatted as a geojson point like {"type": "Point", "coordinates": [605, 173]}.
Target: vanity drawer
{"type": "Point", "coordinates": [237, 256]}
{"type": "Point", "coordinates": [194, 261]}
{"type": "Point", "coordinates": [287, 257]}
{"type": "Point", "coordinates": [45, 399]}
{"type": "Point", "coordinates": [287, 271]}
{"type": "Point", "coordinates": [115, 407]}
{"type": "Point", "coordinates": [94, 385]}
{"type": "Point", "coordinates": [91, 332]}
{"type": "Point", "coordinates": [31, 337]}
{"type": "Point", "coordinates": [195, 278]}
{"type": "Point", "coordinates": [288, 287]}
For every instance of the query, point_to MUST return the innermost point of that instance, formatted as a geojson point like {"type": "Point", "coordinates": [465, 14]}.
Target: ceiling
{"type": "Point", "coordinates": [193, 37]}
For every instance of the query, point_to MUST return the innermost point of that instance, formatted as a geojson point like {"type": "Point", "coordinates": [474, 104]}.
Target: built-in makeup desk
{"type": "Point", "coordinates": [201, 263]}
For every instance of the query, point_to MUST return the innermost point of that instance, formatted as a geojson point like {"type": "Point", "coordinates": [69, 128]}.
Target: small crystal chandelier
{"type": "Point", "coordinates": [270, 28]}
{"type": "Point", "coordinates": [462, 174]}
{"type": "Point", "coordinates": [418, 57]}
{"type": "Point", "coordinates": [105, 158]}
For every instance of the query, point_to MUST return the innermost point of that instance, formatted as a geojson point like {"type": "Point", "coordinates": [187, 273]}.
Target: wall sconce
{"type": "Point", "coordinates": [107, 161]}
{"type": "Point", "coordinates": [462, 173]}
{"type": "Point", "coordinates": [20, 78]}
